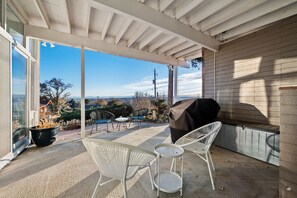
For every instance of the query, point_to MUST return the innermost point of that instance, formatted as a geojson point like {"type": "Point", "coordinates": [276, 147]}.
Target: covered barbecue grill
{"type": "Point", "coordinates": [187, 115]}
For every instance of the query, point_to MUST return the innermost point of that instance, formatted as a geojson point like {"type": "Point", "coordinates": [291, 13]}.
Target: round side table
{"type": "Point", "coordinates": [166, 180]}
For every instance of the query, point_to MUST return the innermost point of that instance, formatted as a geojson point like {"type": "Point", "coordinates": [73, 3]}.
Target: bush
{"type": "Point", "coordinates": [119, 110]}
{"type": "Point", "coordinates": [67, 116]}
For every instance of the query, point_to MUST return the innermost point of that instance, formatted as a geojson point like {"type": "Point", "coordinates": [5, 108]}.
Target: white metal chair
{"type": "Point", "coordinates": [199, 142]}
{"type": "Point", "coordinates": [118, 161]}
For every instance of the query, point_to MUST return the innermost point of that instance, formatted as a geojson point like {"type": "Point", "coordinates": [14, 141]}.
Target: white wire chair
{"type": "Point", "coordinates": [118, 161]}
{"type": "Point", "coordinates": [199, 142]}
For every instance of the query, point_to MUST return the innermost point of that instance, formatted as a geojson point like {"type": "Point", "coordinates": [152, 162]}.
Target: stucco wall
{"type": "Point", "coordinates": [249, 72]}
{"type": "Point", "coordinates": [288, 143]}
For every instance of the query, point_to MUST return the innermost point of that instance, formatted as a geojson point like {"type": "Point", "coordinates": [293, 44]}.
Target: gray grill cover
{"type": "Point", "coordinates": [187, 115]}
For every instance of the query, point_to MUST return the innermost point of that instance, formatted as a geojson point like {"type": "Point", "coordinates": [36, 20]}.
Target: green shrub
{"type": "Point", "coordinates": [118, 110]}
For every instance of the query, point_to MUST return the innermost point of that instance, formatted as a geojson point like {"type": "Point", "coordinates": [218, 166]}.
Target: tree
{"type": "Point", "coordinates": [72, 103]}
{"type": "Point", "coordinates": [197, 63]}
{"type": "Point", "coordinates": [114, 102]}
{"type": "Point", "coordinates": [101, 102]}
{"type": "Point", "coordinates": [87, 101]}
{"type": "Point", "coordinates": [141, 101]}
{"type": "Point", "coordinates": [54, 90]}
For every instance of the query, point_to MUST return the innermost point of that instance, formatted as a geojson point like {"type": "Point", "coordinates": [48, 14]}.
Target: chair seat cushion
{"type": "Point", "coordinates": [138, 117]}
{"type": "Point", "coordinates": [102, 121]}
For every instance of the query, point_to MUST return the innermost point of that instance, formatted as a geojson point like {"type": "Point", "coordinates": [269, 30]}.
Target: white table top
{"type": "Point", "coordinates": [122, 119]}
{"type": "Point", "coordinates": [169, 150]}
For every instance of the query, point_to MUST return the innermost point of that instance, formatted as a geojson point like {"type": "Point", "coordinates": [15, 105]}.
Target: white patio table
{"type": "Point", "coordinates": [122, 120]}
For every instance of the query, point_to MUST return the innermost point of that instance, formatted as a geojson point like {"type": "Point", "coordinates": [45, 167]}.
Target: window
{"type": "Point", "coordinates": [14, 26]}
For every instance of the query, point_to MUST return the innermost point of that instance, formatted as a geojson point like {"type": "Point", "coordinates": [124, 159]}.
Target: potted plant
{"type": "Point", "coordinates": [45, 133]}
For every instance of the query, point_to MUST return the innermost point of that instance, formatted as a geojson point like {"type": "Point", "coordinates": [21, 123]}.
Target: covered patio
{"type": "Point", "coordinates": [248, 51]}
{"type": "Point", "coordinates": [65, 169]}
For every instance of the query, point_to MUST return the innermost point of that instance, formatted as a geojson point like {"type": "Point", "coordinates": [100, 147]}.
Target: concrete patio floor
{"type": "Point", "coordinates": [65, 169]}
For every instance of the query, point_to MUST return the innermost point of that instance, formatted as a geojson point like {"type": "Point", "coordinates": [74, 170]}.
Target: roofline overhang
{"type": "Point", "coordinates": [97, 45]}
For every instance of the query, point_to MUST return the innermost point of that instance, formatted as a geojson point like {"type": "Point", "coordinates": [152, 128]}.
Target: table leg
{"type": "Point", "coordinates": [182, 175]}
{"type": "Point", "coordinates": [158, 190]}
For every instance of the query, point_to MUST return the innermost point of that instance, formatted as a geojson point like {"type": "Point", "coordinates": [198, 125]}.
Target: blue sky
{"type": "Point", "coordinates": [109, 75]}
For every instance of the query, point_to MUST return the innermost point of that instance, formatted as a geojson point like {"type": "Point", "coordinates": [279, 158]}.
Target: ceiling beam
{"type": "Point", "coordinates": [185, 9]}
{"type": "Point", "coordinates": [137, 34]}
{"type": "Point", "coordinates": [97, 45]}
{"type": "Point", "coordinates": [123, 30]}
{"type": "Point", "coordinates": [18, 10]}
{"type": "Point", "coordinates": [194, 55]}
{"type": "Point", "coordinates": [151, 17]}
{"type": "Point", "coordinates": [181, 47]}
{"type": "Point", "coordinates": [211, 7]}
{"type": "Point", "coordinates": [164, 4]}
{"type": "Point", "coordinates": [160, 42]}
{"type": "Point", "coordinates": [88, 16]}
{"type": "Point", "coordinates": [187, 51]}
{"type": "Point", "coordinates": [106, 25]}
{"type": "Point", "coordinates": [262, 21]}
{"type": "Point", "coordinates": [148, 39]}
{"type": "Point", "coordinates": [64, 2]}
{"type": "Point", "coordinates": [42, 12]}
{"type": "Point", "coordinates": [228, 13]}
{"type": "Point", "coordinates": [170, 45]}
{"type": "Point", "coordinates": [255, 13]}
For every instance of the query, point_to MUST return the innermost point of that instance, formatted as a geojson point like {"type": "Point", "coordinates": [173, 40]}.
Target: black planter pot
{"type": "Point", "coordinates": [44, 137]}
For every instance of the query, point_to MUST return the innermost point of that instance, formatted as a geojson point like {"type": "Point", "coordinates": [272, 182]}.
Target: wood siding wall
{"type": "Point", "coordinates": [249, 72]}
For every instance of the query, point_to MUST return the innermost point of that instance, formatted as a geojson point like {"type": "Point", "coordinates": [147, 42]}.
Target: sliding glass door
{"type": "Point", "coordinates": [19, 100]}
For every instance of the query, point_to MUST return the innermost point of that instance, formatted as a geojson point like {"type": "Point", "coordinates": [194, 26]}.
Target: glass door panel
{"type": "Point", "coordinates": [19, 99]}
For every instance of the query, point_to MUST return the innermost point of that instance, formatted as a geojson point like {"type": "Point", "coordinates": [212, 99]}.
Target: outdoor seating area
{"type": "Point", "coordinates": [241, 77]}
{"type": "Point", "coordinates": [138, 117]}
{"type": "Point", "coordinates": [74, 173]}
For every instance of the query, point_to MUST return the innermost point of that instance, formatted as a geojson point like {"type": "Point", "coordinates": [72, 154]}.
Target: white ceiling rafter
{"type": "Point", "coordinates": [137, 34]}
{"type": "Point", "coordinates": [194, 55]}
{"type": "Point", "coordinates": [88, 16]}
{"type": "Point", "coordinates": [77, 41]}
{"type": "Point", "coordinates": [245, 17]}
{"type": "Point", "coordinates": [42, 13]}
{"type": "Point", "coordinates": [158, 20]}
{"type": "Point", "coordinates": [148, 39]}
{"type": "Point", "coordinates": [164, 4]}
{"type": "Point", "coordinates": [259, 22]}
{"type": "Point", "coordinates": [180, 47]}
{"type": "Point", "coordinates": [187, 51]}
{"type": "Point", "coordinates": [18, 10]}
{"type": "Point", "coordinates": [185, 9]}
{"type": "Point", "coordinates": [106, 25]}
{"type": "Point", "coordinates": [123, 30]}
{"type": "Point", "coordinates": [170, 45]}
{"type": "Point", "coordinates": [208, 9]}
{"type": "Point", "coordinates": [157, 28]}
{"type": "Point", "coordinates": [64, 2]}
{"type": "Point", "coordinates": [228, 13]}
{"type": "Point", "coordinates": [159, 43]}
